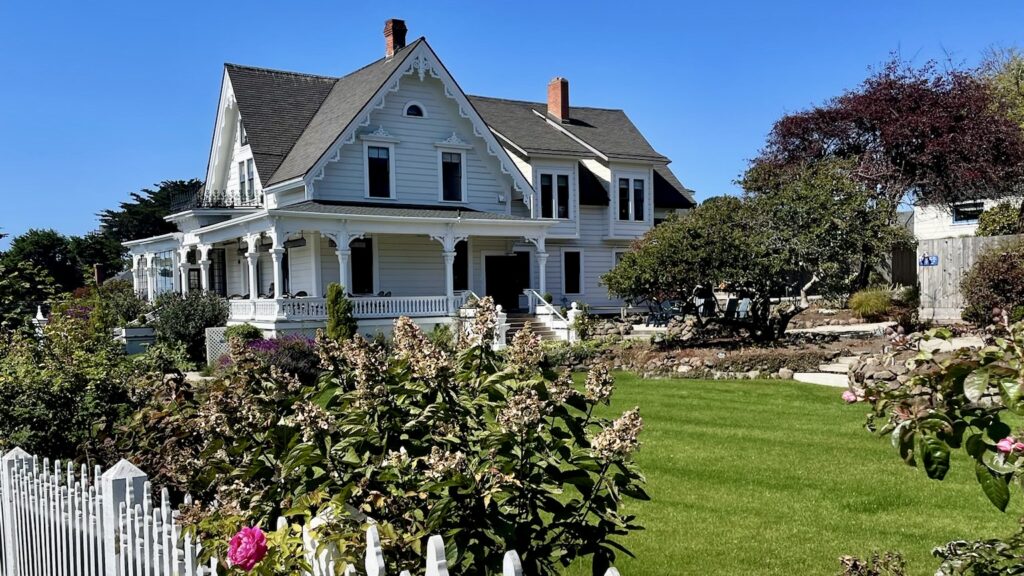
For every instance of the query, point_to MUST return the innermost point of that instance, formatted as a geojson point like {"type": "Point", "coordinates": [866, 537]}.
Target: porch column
{"type": "Point", "coordinates": [277, 255]}
{"type": "Point", "coordinates": [542, 272]}
{"type": "Point", "coordinates": [136, 273]}
{"type": "Point", "coordinates": [252, 257]}
{"type": "Point", "coordinates": [204, 265]}
{"type": "Point", "coordinates": [317, 265]}
{"type": "Point", "coordinates": [449, 277]}
{"type": "Point", "coordinates": [343, 254]}
{"type": "Point", "coordinates": [150, 276]}
{"type": "Point", "coordinates": [183, 269]}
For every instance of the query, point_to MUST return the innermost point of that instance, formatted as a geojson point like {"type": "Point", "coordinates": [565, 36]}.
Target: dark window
{"type": "Point", "coordinates": [218, 272]}
{"type": "Point", "coordinates": [638, 200]}
{"type": "Point", "coordinates": [241, 180]}
{"type": "Point", "coordinates": [362, 266]}
{"type": "Point", "coordinates": [451, 176]}
{"type": "Point", "coordinates": [623, 198]}
{"type": "Point", "coordinates": [460, 270]}
{"type": "Point", "coordinates": [251, 177]}
{"type": "Point", "coordinates": [571, 270]}
{"type": "Point", "coordinates": [967, 212]}
{"type": "Point", "coordinates": [379, 171]}
{"type": "Point", "coordinates": [563, 196]}
{"type": "Point", "coordinates": [414, 110]}
{"type": "Point", "coordinates": [286, 274]}
{"type": "Point", "coordinates": [546, 197]}
{"type": "Point", "coordinates": [194, 282]}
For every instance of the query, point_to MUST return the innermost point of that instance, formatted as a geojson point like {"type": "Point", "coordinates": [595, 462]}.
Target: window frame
{"type": "Point", "coordinates": [571, 203]}
{"type": "Point", "coordinates": [250, 178]}
{"type": "Point", "coordinates": [242, 192]}
{"type": "Point", "coordinates": [980, 204]}
{"type": "Point", "coordinates": [243, 136]}
{"type": "Point", "coordinates": [410, 104]}
{"type": "Point", "coordinates": [582, 275]}
{"type": "Point", "coordinates": [631, 210]}
{"type": "Point", "coordinates": [367, 144]}
{"type": "Point", "coordinates": [464, 192]}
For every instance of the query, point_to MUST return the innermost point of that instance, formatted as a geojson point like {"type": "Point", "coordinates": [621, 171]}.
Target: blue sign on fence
{"type": "Point", "coordinates": [928, 260]}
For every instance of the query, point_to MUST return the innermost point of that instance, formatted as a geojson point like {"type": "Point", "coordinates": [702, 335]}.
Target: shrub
{"type": "Point", "coordinates": [58, 392]}
{"type": "Point", "coordinates": [443, 337]}
{"type": "Point", "coordinates": [165, 358]}
{"type": "Point", "coordinates": [244, 332]}
{"type": "Point", "coordinates": [995, 281]}
{"type": "Point", "coordinates": [888, 564]}
{"type": "Point", "coordinates": [185, 319]}
{"type": "Point", "coordinates": [871, 303]}
{"type": "Point", "coordinates": [584, 322]}
{"type": "Point", "coordinates": [119, 303]}
{"type": "Point", "coordinates": [421, 441]}
{"type": "Point", "coordinates": [341, 324]}
{"type": "Point", "coordinates": [293, 355]}
{"type": "Point", "coordinates": [1000, 220]}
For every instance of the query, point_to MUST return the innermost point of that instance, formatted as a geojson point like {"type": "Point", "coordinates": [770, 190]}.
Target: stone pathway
{"type": "Point", "coordinates": [866, 328]}
{"type": "Point", "coordinates": [834, 374]}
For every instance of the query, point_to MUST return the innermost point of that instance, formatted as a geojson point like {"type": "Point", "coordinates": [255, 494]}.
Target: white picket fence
{"type": "Point", "coordinates": [55, 521]}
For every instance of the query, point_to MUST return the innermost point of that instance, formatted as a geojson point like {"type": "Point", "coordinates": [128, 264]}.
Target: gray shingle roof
{"type": "Point", "coordinates": [396, 210]}
{"type": "Point", "coordinates": [669, 192]}
{"type": "Point", "coordinates": [276, 106]}
{"type": "Point", "coordinates": [347, 97]}
{"type": "Point", "coordinates": [516, 121]}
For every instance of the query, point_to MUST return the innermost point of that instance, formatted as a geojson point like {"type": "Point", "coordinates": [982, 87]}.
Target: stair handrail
{"type": "Point", "coordinates": [548, 306]}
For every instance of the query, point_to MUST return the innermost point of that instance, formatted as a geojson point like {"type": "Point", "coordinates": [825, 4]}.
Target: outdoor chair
{"type": "Point", "coordinates": [731, 305]}
{"type": "Point", "coordinates": [743, 310]}
{"type": "Point", "coordinates": [301, 294]}
{"type": "Point", "coordinates": [659, 316]}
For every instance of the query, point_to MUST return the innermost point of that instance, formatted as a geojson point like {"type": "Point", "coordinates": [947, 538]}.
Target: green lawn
{"type": "Point", "coordinates": [781, 478]}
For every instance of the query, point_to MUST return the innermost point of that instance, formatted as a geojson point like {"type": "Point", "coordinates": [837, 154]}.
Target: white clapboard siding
{"type": "Point", "coordinates": [56, 522]}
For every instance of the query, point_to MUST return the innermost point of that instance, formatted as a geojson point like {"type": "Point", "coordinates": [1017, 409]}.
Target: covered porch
{"type": "Point", "coordinates": [274, 267]}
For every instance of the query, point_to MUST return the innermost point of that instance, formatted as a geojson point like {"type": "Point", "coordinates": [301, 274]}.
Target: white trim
{"type": "Point", "coordinates": [582, 277]}
{"type": "Point", "coordinates": [508, 141]}
{"type": "Point", "coordinates": [542, 169]}
{"type": "Point", "coordinates": [420, 61]}
{"type": "Point", "coordinates": [574, 137]}
{"type": "Point", "coordinates": [441, 151]}
{"type": "Point", "coordinates": [367, 143]}
{"type": "Point", "coordinates": [411, 103]}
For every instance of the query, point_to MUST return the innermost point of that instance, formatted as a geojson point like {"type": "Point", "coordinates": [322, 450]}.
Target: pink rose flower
{"type": "Point", "coordinates": [849, 397]}
{"type": "Point", "coordinates": [247, 548]}
{"type": "Point", "coordinates": [1009, 445]}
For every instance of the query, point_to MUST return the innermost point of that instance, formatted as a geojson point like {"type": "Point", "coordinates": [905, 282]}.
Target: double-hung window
{"type": "Point", "coordinates": [250, 177]}
{"type": "Point", "coordinates": [452, 180]}
{"type": "Point", "coordinates": [554, 195]}
{"type": "Point", "coordinates": [967, 212]}
{"type": "Point", "coordinates": [378, 171]}
{"type": "Point", "coordinates": [243, 192]}
{"type": "Point", "coordinates": [632, 192]}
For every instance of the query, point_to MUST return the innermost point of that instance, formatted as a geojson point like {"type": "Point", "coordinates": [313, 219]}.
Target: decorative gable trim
{"type": "Point", "coordinates": [225, 104]}
{"type": "Point", "coordinates": [418, 64]}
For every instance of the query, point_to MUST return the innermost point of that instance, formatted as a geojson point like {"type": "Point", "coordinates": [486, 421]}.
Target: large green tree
{"type": "Point", "coordinates": [817, 230]}
{"type": "Point", "coordinates": [143, 215]}
{"type": "Point", "coordinates": [49, 251]}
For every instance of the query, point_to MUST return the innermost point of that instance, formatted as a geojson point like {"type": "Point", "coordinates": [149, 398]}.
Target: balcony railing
{"type": "Point", "coordinates": [182, 201]}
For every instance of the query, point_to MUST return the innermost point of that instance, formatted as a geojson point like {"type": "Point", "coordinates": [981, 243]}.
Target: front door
{"type": "Point", "coordinates": [506, 278]}
{"type": "Point", "coordinates": [362, 266]}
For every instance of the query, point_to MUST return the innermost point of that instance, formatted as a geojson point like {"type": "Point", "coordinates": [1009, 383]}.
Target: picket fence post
{"type": "Point", "coordinates": [8, 463]}
{"type": "Point", "coordinates": [123, 484]}
{"type": "Point", "coordinates": [511, 566]}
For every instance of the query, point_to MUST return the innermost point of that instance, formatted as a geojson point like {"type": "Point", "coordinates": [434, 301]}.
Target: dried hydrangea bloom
{"type": "Point", "coordinates": [397, 458]}
{"type": "Point", "coordinates": [428, 361]}
{"type": "Point", "coordinates": [620, 439]}
{"type": "Point", "coordinates": [312, 420]}
{"type": "Point", "coordinates": [442, 463]}
{"type": "Point", "coordinates": [599, 384]}
{"type": "Point", "coordinates": [369, 363]}
{"type": "Point", "coordinates": [484, 323]}
{"type": "Point", "coordinates": [525, 353]}
{"type": "Point", "coordinates": [328, 350]}
{"type": "Point", "coordinates": [562, 389]}
{"type": "Point", "coordinates": [523, 411]}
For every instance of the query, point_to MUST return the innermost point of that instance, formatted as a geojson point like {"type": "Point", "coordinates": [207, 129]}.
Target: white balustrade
{"type": "Point", "coordinates": [395, 306]}
{"type": "Point", "coordinates": [362, 307]}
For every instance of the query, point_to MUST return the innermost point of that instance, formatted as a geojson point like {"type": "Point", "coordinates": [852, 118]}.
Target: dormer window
{"type": "Point", "coordinates": [414, 110]}
{"type": "Point", "coordinates": [554, 195]}
{"type": "Point", "coordinates": [631, 199]}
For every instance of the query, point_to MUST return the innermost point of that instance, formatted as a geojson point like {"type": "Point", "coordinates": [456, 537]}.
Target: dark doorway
{"type": "Point", "coordinates": [218, 272]}
{"type": "Point", "coordinates": [362, 266]}
{"type": "Point", "coordinates": [506, 278]}
{"type": "Point", "coordinates": [460, 268]}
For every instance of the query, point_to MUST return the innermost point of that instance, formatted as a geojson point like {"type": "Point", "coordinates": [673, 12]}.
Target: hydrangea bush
{"type": "Point", "coordinates": [492, 454]}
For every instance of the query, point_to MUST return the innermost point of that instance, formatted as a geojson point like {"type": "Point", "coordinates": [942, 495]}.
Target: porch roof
{"type": "Point", "coordinates": [394, 211]}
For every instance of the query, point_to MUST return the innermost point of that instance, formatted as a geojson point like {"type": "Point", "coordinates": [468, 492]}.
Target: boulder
{"type": "Point", "coordinates": [785, 373]}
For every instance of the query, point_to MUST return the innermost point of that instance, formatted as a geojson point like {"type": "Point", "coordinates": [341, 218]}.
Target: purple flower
{"type": "Point", "coordinates": [849, 397]}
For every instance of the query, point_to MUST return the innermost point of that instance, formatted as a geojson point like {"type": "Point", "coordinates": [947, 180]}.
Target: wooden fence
{"type": "Point", "coordinates": [940, 283]}
{"type": "Point", "coordinates": [56, 521]}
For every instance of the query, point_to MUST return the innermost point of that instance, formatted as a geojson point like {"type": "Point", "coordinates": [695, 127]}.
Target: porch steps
{"type": "Point", "coordinates": [516, 322]}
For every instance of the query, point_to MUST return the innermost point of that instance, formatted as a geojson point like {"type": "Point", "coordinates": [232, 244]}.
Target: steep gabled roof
{"type": "Point", "coordinates": [516, 121]}
{"type": "Point", "coordinates": [276, 106]}
{"type": "Point", "coordinates": [348, 96]}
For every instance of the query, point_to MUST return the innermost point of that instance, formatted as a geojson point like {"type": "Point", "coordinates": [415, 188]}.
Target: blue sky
{"type": "Point", "coordinates": [99, 99]}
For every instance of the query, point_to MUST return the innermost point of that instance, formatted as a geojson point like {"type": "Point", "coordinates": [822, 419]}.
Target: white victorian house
{"type": "Point", "coordinates": [408, 192]}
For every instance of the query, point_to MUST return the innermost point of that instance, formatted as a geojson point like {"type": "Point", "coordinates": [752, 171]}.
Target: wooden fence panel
{"type": "Point", "coordinates": [940, 284]}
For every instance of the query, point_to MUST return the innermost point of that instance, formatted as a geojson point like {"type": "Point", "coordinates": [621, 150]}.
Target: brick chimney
{"type": "Point", "coordinates": [394, 36]}
{"type": "Point", "coordinates": [558, 98]}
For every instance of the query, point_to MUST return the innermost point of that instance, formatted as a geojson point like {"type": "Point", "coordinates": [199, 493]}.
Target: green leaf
{"type": "Point", "coordinates": [995, 486]}
{"type": "Point", "coordinates": [976, 384]}
{"type": "Point", "coordinates": [934, 456]}
{"type": "Point", "coordinates": [1010, 391]}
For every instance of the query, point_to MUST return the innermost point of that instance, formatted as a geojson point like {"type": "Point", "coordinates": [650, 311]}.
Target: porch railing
{"type": "Point", "coordinates": [395, 306]}
{"type": "Point", "coordinates": [548, 315]}
{"type": "Point", "coordinates": [270, 310]}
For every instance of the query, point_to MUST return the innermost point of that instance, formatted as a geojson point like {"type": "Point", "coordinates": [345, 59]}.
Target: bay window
{"type": "Point", "coordinates": [555, 198]}
{"type": "Point", "coordinates": [632, 198]}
